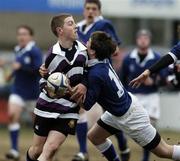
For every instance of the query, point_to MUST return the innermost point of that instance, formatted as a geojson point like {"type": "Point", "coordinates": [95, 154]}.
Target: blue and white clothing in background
{"type": "Point", "coordinates": [26, 79]}
{"type": "Point", "coordinates": [131, 68]}
{"type": "Point", "coordinates": [99, 24]}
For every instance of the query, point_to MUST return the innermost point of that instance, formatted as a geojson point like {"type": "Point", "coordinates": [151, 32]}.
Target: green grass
{"type": "Point", "coordinates": [70, 147]}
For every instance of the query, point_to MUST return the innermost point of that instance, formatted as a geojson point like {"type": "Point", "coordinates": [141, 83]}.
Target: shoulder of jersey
{"type": "Point", "coordinates": [104, 22]}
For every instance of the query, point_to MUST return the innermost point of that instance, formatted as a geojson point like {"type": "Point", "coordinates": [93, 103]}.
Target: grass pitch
{"type": "Point", "coordinates": [70, 147]}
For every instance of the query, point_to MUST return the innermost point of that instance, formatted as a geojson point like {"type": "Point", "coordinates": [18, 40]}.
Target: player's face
{"type": "Point", "coordinates": [23, 37]}
{"type": "Point", "coordinates": [69, 29]}
{"type": "Point", "coordinates": [91, 52]}
{"type": "Point", "coordinates": [91, 11]}
{"type": "Point", "coordinates": [143, 41]}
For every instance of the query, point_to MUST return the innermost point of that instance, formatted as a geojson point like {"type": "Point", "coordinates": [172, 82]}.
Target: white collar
{"type": "Point", "coordinates": [84, 22]}
{"type": "Point", "coordinates": [150, 56]}
{"type": "Point", "coordinates": [28, 47]}
{"type": "Point", "coordinates": [93, 62]}
{"type": "Point", "coordinates": [57, 49]}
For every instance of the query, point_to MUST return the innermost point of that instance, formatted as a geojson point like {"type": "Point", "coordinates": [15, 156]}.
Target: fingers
{"type": "Point", "coordinates": [84, 97]}
{"type": "Point", "coordinates": [76, 96]}
{"type": "Point", "coordinates": [80, 100]}
{"type": "Point", "coordinates": [135, 83]}
{"type": "Point", "coordinates": [73, 92]}
{"type": "Point", "coordinates": [69, 90]}
{"type": "Point", "coordinates": [78, 91]}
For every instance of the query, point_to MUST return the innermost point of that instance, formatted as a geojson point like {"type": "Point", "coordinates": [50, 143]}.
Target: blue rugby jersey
{"type": "Point", "coordinates": [57, 61]}
{"type": "Point", "coordinates": [175, 52]}
{"type": "Point", "coordinates": [26, 82]}
{"type": "Point", "coordinates": [100, 24]}
{"type": "Point", "coordinates": [132, 67]}
{"type": "Point", "coordinates": [105, 88]}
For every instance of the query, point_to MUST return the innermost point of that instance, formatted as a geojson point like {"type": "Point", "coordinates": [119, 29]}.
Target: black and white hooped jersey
{"type": "Point", "coordinates": [72, 63]}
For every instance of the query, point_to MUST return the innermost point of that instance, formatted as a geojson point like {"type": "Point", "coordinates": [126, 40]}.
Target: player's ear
{"type": "Point", "coordinates": [92, 52]}
{"type": "Point", "coordinates": [59, 30]}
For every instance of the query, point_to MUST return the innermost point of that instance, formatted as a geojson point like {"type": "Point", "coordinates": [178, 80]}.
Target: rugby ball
{"type": "Point", "coordinates": [57, 84]}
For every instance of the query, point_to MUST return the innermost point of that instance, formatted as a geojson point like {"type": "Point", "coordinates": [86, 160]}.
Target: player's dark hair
{"type": "Point", "coordinates": [97, 2]}
{"type": "Point", "coordinates": [28, 28]}
{"type": "Point", "coordinates": [58, 21]}
{"type": "Point", "coordinates": [102, 44]}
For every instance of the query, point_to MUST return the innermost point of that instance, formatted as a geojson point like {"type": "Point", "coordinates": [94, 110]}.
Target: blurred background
{"type": "Point", "coordinates": [161, 17]}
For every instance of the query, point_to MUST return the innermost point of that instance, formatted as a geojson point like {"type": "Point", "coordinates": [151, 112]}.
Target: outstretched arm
{"type": "Point", "coordinates": [162, 63]}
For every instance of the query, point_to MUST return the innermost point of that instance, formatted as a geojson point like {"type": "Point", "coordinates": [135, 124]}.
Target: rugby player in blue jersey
{"type": "Point", "coordinates": [122, 109]}
{"type": "Point", "coordinates": [170, 58]}
{"type": "Point", "coordinates": [25, 87]}
{"type": "Point", "coordinates": [94, 21]}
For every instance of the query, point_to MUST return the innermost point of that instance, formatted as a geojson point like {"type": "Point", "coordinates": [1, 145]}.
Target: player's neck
{"type": "Point", "coordinates": [142, 51]}
{"type": "Point", "coordinates": [66, 43]}
{"type": "Point", "coordinates": [88, 23]}
{"type": "Point", "coordinates": [92, 57]}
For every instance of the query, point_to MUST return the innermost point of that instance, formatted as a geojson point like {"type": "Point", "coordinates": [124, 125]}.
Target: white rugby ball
{"type": "Point", "coordinates": [57, 84]}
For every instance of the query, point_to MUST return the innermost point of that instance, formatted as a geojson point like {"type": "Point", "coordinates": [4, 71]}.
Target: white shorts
{"type": "Point", "coordinates": [19, 101]}
{"type": "Point", "coordinates": [151, 102]}
{"type": "Point", "coordinates": [94, 114]}
{"type": "Point", "coordinates": [135, 123]}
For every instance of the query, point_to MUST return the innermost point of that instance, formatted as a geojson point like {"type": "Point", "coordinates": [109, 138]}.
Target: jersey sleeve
{"type": "Point", "coordinates": [37, 59]}
{"type": "Point", "coordinates": [164, 72]}
{"type": "Point", "coordinates": [161, 64]}
{"type": "Point", "coordinates": [175, 52]}
{"type": "Point", "coordinates": [94, 88]}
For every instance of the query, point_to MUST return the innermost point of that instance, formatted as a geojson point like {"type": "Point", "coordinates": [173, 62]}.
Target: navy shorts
{"type": "Point", "coordinates": [42, 125]}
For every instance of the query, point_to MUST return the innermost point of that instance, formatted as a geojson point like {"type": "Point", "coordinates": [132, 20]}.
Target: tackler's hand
{"type": "Point", "coordinates": [78, 93]}
{"type": "Point", "coordinates": [69, 90]}
{"type": "Point", "coordinates": [135, 83]}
